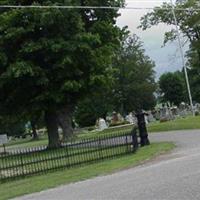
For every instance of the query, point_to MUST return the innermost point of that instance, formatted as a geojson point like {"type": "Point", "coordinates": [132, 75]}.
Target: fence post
{"type": "Point", "coordinates": [22, 164]}
{"type": "Point", "coordinates": [134, 139]}
{"type": "Point", "coordinates": [99, 148]}
{"type": "Point", "coordinates": [1, 167]}
{"type": "Point", "coordinates": [126, 143]}
{"type": "Point", "coordinates": [142, 129]}
{"type": "Point", "coordinates": [67, 154]}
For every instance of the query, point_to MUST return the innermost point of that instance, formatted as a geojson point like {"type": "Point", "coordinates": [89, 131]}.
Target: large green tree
{"type": "Point", "coordinates": [50, 58]}
{"type": "Point", "coordinates": [134, 77]}
{"type": "Point", "coordinates": [189, 25]}
{"type": "Point", "coordinates": [131, 85]}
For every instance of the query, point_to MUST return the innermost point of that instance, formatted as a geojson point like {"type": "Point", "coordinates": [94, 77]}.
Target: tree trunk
{"type": "Point", "coordinates": [52, 129]}
{"type": "Point", "coordinates": [65, 121]}
{"type": "Point", "coordinates": [34, 131]}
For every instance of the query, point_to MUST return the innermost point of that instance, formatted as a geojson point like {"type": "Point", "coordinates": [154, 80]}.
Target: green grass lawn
{"type": "Point", "coordinates": [81, 136]}
{"type": "Point", "coordinates": [93, 134]}
{"type": "Point", "coordinates": [50, 180]}
{"type": "Point", "coordinates": [27, 143]}
{"type": "Point", "coordinates": [178, 124]}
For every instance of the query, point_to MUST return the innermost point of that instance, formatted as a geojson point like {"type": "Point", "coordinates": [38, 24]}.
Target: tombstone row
{"type": "Point", "coordinates": [163, 113]}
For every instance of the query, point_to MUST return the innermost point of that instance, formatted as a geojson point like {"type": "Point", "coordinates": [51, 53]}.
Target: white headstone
{"type": "Point", "coordinates": [146, 119]}
{"type": "Point", "coordinates": [150, 117]}
{"type": "Point", "coordinates": [130, 118]}
{"type": "Point", "coordinates": [182, 110]}
{"type": "Point", "coordinates": [102, 124]}
{"type": "Point", "coordinates": [3, 139]}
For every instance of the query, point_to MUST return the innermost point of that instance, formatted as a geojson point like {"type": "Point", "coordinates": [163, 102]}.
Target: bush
{"type": "Point", "coordinates": [164, 120]}
{"type": "Point", "coordinates": [197, 113]}
{"type": "Point", "coordinates": [12, 127]}
{"type": "Point", "coordinates": [119, 123]}
{"type": "Point", "coordinates": [91, 128]}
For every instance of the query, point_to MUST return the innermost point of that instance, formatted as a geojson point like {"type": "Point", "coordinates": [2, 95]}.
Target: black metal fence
{"type": "Point", "coordinates": [24, 162]}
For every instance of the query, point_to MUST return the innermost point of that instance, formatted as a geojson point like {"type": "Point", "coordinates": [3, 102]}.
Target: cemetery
{"type": "Point", "coordinates": [89, 147]}
{"type": "Point", "coordinates": [99, 88]}
{"type": "Point", "coordinates": [161, 118]}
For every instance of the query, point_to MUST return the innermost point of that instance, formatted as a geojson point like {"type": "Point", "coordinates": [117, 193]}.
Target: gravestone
{"type": "Point", "coordinates": [197, 109]}
{"type": "Point", "coordinates": [150, 117]}
{"type": "Point", "coordinates": [130, 118]}
{"type": "Point", "coordinates": [119, 117]}
{"type": "Point", "coordinates": [3, 139]}
{"type": "Point", "coordinates": [146, 118]}
{"type": "Point", "coordinates": [164, 113]}
{"type": "Point", "coordinates": [102, 124]}
{"type": "Point", "coordinates": [108, 119]}
{"type": "Point", "coordinates": [157, 114]}
{"type": "Point", "coordinates": [198, 106]}
{"type": "Point", "coordinates": [182, 110]}
{"type": "Point", "coordinates": [114, 118]}
{"type": "Point", "coordinates": [174, 110]}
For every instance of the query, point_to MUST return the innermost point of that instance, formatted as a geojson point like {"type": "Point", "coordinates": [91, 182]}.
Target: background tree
{"type": "Point", "coordinates": [51, 58]}
{"type": "Point", "coordinates": [189, 24]}
{"type": "Point", "coordinates": [131, 85]}
{"type": "Point", "coordinates": [172, 87]}
{"type": "Point", "coordinates": [194, 72]}
{"type": "Point", "coordinates": [97, 105]}
{"type": "Point", "coordinates": [12, 126]}
{"type": "Point", "coordinates": [134, 77]}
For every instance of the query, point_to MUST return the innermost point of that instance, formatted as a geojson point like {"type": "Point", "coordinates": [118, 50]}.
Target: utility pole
{"type": "Point", "coordinates": [182, 58]}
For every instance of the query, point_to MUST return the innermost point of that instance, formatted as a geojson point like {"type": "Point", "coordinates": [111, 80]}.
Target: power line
{"type": "Point", "coordinates": [147, 1]}
{"type": "Point", "coordinates": [160, 1]}
{"type": "Point", "coordinates": [98, 7]}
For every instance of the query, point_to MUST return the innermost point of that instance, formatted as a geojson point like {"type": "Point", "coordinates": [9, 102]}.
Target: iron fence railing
{"type": "Point", "coordinates": [24, 162]}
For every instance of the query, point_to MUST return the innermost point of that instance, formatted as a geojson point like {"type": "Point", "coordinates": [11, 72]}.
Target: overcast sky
{"type": "Point", "coordinates": [166, 58]}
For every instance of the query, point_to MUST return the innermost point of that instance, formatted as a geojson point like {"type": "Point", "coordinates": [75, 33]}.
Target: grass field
{"type": "Point", "coordinates": [81, 136]}
{"type": "Point", "coordinates": [178, 124]}
{"type": "Point", "coordinates": [50, 180]}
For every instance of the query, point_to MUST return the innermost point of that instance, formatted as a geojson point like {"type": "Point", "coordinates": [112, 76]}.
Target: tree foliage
{"type": "Point", "coordinates": [50, 58]}
{"type": "Point", "coordinates": [131, 85]}
{"type": "Point", "coordinates": [189, 25]}
{"type": "Point", "coordinates": [96, 105]}
{"type": "Point", "coordinates": [194, 72]}
{"type": "Point", "coordinates": [172, 87]}
{"type": "Point", "coordinates": [12, 126]}
{"type": "Point", "coordinates": [134, 77]}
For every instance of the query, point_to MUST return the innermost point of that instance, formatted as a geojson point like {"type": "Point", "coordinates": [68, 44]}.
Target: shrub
{"type": "Point", "coordinates": [119, 123]}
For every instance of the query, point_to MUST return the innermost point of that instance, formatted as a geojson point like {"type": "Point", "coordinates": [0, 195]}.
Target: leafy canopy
{"type": "Point", "coordinates": [189, 25]}
{"type": "Point", "coordinates": [134, 85]}
{"type": "Point", "coordinates": [52, 57]}
{"type": "Point", "coordinates": [172, 86]}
